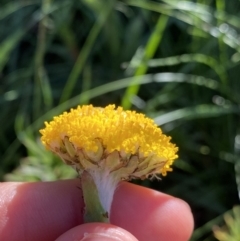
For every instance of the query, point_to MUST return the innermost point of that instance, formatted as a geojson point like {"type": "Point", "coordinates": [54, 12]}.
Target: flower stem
{"type": "Point", "coordinates": [94, 211]}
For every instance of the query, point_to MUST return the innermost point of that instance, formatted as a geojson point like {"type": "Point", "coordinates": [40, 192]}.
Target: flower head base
{"type": "Point", "coordinates": [111, 145]}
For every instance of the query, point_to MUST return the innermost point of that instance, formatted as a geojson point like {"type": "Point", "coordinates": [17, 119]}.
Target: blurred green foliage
{"type": "Point", "coordinates": [176, 61]}
{"type": "Point", "coordinates": [231, 231]}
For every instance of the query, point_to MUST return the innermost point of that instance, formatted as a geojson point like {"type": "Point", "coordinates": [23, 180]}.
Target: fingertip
{"type": "Point", "coordinates": [177, 214]}
{"type": "Point", "coordinates": [150, 215]}
{"type": "Point", "coordinates": [97, 232]}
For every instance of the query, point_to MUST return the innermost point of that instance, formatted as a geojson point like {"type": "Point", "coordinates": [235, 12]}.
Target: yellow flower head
{"type": "Point", "coordinates": [105, 146]}
{"type": "Point", "coordinates": [107, 130]}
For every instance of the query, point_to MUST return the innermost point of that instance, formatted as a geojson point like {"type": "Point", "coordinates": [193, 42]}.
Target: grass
{"type": "Point", "coordinates": [175, 61]}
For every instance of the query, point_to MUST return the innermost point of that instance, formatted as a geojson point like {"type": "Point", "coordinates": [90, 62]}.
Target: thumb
{"type": "Point", "coordinates": [96, 232]}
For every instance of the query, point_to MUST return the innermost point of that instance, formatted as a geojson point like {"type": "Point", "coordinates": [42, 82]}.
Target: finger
{"type": "Point", "coordinates": [39, 211]}
{"type": "Point", "coordinates": [151, 215]}
{"type": "Point", "coordinates": [97, 232]}
{"type": "Point", "coordinates": [43, 211]}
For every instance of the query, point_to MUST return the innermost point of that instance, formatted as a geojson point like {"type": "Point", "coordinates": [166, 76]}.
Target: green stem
{"type": "Point", "coordinates": [94, 211]}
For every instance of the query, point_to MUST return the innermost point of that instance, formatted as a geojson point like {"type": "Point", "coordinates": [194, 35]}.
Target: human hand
{"type": "Point", "coordinates": [53, 211]}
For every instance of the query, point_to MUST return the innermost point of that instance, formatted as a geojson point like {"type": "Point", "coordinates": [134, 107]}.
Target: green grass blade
{"type": "Point", "coordinates": [149, 51]}
{"type": "Point", "coordinates": [11, 8]}
{"type": "Point", "coordinates": [40, 76]}
{"type": "Point", "coordinates": [7, 46]}
{"type": "Point", "coordinates": [223, 56]}
{"type": "Point", "coordinates": [85, 51]}
{"type": "Point", "coordinates": [184, 58]}
{"type": "Point", "coordinates": [196, 112]}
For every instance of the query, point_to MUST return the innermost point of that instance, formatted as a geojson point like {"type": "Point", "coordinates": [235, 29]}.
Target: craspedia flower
{"type": "Point", "coordinates": [107, 145]}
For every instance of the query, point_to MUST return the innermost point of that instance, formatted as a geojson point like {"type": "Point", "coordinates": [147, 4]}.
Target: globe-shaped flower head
{"type": "Point", "coordinates": [105, 146]}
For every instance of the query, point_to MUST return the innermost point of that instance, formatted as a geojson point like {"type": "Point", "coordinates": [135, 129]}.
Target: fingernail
{"type": "Point", "coordinates": [99, 237]}
{"type": "Point", "coordinates": [97, 232]}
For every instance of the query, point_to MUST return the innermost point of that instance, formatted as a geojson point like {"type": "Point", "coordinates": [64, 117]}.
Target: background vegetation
{"type": "Point", "coordinates": [176, 61]}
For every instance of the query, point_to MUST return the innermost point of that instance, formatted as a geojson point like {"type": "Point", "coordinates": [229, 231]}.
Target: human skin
{"type": "Point", "coordinates": [54, 211]}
